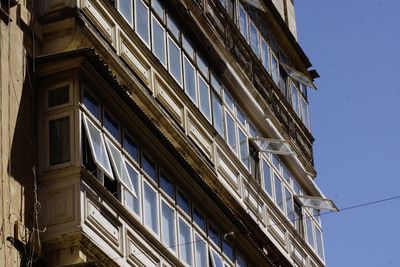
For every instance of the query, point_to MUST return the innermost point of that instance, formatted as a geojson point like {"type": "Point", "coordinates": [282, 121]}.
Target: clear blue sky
{"type": "Point", "coordinates": [355, 46]}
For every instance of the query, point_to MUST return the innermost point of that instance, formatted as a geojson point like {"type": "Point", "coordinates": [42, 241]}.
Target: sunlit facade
{"type": "Point", "coordinates": [173, 133]}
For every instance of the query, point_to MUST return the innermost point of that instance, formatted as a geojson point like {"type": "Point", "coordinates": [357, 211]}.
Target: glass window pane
{"type": "Point", "coordinates": [190, 80]}
{"type": "Point", "coordinates": [228, 250]}
{"type": "Point", "coordinates": [168, 226]}
{"type": "Point", "coordinates": [305, 114]}
{"type": "Point", "coordinates": [198, 219]}
{"type": "Point", "coordinates": [118, 163]}
{"type": "Point", "coordinates": [125, 8]}
{"type": "Point", "coordinates": [130, 200]}
{"type": "Point", "coordinates": [200, 252]}
{"type": "Point", "coordinates": [228, 99]}
{"type": "Point", "coordinates": [243, 21]}
{"type": "Point", "coordinates": [275, 69]}
{"type": "Point", "coordinates": [244, 148]}
{"type": "Point", "coordinates": [267, 178]}
{"type": "Point", "coordinates": [130, 147]}
{"type": "Point", "coordinates": [58, 96]}
{"type": "Point", "coordinates": [320, 245]}
{"type": "Point", "coordinates": [150, 208]}
{"type": "Point", "coordinates": [158, 42]}
{"type": "Point", "coordinates": [286, 173]}
{"type": "Point", "coordinates": [252, 130]}
{"type": "Point", "coordinates": [310, 238]}
{"type": "Point", "coordinates": [183, 202]}
{"type": "Point", "coordinates": [167, 186]}
{"type": "Point", "coordinates": [253, 161]}
{"type": "Point", "coordinates": [295, 99]}
{"type": "Point", "coordinates": [204, 91]}
{"type": "Point", "coordinates": [276, 161]}
{"type": "Point", "coordinates": [265, 54]}
{"type": "Point", "coordinates": [98, 147]}
{"type": "Point", "coordinates": [174, 60]}
{"type": "Point", "coordinates": [112, 126]}
{"type": "Point", "coordinates": [201, 64]}
{"type": "Point", "coordinates": [278, 192]}
{"type": "Point", "coordinates": [187, 46]}
{"type": "Point", "coordinates": [142, 21]}
{"type": "Point", "coordinates": [59, 141]}
{"type": "Point", "coordinates": [92, 105]}
{"type": "Point", "coordinates": [296, 187]}
{"type": "Point", "coordinates": [158, 7]}
{"type": "Point", "coordinates": [298, 222]}
{"type": "Point", "coordinates": [254, 39]}
{"type": "Point", "coordinates": [289, 206]}
{"type": "Point", "coordinates": [213, 234]}
{"type": "Point", "coordinates": [218, 116]}
{"type": "Point", "coordinates": [185, 243]}
{"type": "Point", "coordinates": [230, 130]}
{"type": "Point", "coordinates": [215, 83]}
{"type": "Point", "coordinates": [241, 116]}
{"type": "Point", "coordinates": [216, 259]}
{"type": "Point", "coordinates": [173, 27]}
{"type": "Point", "coordinates": [149, 167]}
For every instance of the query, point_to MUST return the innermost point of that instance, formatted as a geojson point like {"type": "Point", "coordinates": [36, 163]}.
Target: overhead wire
{"type": "Point", "coordinates": [280, 223]}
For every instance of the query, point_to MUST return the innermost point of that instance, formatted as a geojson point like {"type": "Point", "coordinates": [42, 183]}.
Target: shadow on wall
{"type": "Point", "coordinates": [20, 167]}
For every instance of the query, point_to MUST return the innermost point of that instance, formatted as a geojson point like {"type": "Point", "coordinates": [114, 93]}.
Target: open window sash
{"type": "Point", "coordinates": [97, 147]}
{"type": "Point", "coordinates": [119, 163]}
{"type": "Point", "coordinates": [216, 260]}
{"type": "Point", "coordinates": [318, 203]}
{"type": "Point", "coordinates": [298, 76]}
{"type": "Point", "coordinates": [274, 146]}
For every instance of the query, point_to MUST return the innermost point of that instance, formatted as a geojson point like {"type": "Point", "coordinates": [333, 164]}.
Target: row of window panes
{"type": "Point", "coordinates": [157, 209]}
{"type": "Point", "coordinates": [227, 117]}
{"type": "Point", "coordinates": [192, 73]}
{"type": "Point", "coordinates": [258, 41]}
{"type": "Point", "coordinates": [314, 235]}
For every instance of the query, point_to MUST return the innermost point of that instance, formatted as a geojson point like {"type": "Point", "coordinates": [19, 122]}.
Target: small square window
{"type": "Point", "coordinates": [58, 96]}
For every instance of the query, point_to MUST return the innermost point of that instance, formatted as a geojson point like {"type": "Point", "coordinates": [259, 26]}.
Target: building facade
{"type": "Point", "coordinates": [156, 133]}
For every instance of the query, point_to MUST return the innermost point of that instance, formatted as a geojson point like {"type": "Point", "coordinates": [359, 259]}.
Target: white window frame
{"type": "Point", "coordinates": [174, 249]}
{"type": "Point", "coordinates": [157, 201]}
{"type": "Point", "coordinates": [128, 184]}
{"type": "Point", "coordinates": [180, 60]}
{"type": "Point", "coordinates": [180, 217]}
{"type": "Point", "coordinates": [146, 42]}
{"type": "Point", "coordinates": [196, 90]}
{"type": "Point", "coordinates": [105, 169]}
{"type": "Point", "coordinates": [200, 76]}
{"type": "Point", "coordinates": [196, 234]}
{"type": "Point", "coordinates": [139, 195]}
{"type": "Point", "coordinates": [155, 18]}
{"type": "Point", "coordinates": [132, 12]}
